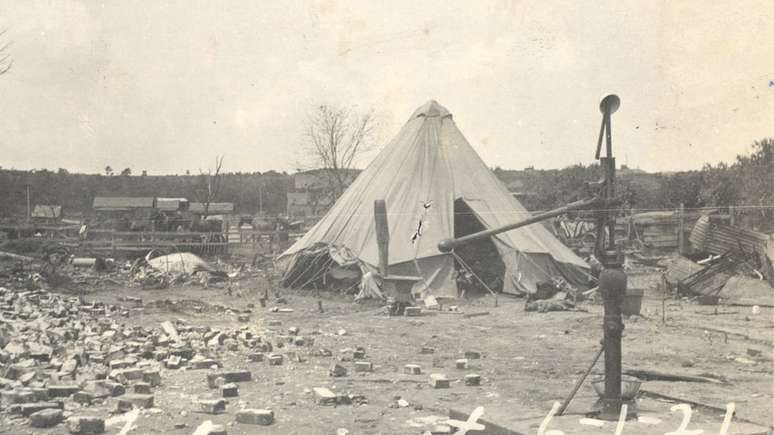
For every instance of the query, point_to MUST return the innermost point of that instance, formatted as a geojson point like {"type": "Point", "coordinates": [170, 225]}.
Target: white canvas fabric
{"type": "Point", "coordinates": [420, 173]}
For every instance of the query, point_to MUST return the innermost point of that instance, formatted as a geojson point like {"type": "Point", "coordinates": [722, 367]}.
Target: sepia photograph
{"type": "Point", "coordinates": [342, 217]}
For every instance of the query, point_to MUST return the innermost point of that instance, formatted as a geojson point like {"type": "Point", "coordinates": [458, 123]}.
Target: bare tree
{"type": "Point", "coordinates": [209, 185]}
{"type": "Point", "coordinates": [6, 61]}
{"type": "Point", "coordinates": [336, 137]}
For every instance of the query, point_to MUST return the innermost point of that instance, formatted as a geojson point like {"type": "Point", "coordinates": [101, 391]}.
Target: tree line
{"type": "Point", "coordinates": [250, 192]}
{"type": "Point", "coordinates": [747, 183]}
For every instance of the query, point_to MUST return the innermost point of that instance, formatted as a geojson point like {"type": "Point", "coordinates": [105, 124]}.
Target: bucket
{"type": "Point", "coordinates": [632, 302]}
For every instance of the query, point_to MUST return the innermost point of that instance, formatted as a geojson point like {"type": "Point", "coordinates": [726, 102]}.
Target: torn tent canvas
{"type": "Point", "coordinates": [421, 174]}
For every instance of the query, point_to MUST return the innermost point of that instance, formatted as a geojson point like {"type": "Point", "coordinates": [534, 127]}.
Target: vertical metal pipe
{"type": "Point", "coordinates": [612, 283]}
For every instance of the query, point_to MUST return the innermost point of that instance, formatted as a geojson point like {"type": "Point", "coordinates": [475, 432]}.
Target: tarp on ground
{"type": "Point", "coordinates": [180, 262]}
{"type": "Point", "coordinates": [420, 174]}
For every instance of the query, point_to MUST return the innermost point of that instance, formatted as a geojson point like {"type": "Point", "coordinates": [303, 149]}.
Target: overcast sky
{"type": "Point", "coordinates": [164, 86]}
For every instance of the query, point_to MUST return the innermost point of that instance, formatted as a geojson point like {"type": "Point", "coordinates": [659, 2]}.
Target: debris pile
{"type": "Point", "coordinates": [708, 278]}
{"type": "Point", "coordinates": [59, 356]}
{"type": "Point", "coordinates": [160, 271]}
{"type": "Point", "coordinates": [151, 272]}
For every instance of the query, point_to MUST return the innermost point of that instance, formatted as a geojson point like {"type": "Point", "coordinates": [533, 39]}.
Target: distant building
{"type": "Point", "coordinates": [306, 203]}
{"type": "Point", "coordinates": [125, 212]}
{"type": "Point", "coordinates": [47, 213]}
{"type": "Point", "coordinates": [122, 203]}
{"type": "Point", "coordinates": [171, 205]}
{"type": "Point", "coordinates": [197, 208]}
{"type": "Point", "coordinates": [311, 194]}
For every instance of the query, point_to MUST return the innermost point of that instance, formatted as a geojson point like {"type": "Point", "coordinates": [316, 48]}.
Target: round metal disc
{"type": "Point", "coordinates": [612, 102]}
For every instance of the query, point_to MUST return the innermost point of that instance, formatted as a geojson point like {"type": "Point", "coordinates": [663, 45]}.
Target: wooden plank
{"type": "Point", "coordinates": [663, 239]}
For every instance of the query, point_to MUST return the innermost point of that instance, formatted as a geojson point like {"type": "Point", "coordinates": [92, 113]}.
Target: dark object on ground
{"type": "Point", "coordinates": [550, 305]}
{"type": "Point", "coordinates": [652, 375]}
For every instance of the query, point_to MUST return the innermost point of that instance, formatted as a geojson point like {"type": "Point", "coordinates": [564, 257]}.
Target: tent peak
{"type": "Point", "coordinates": [431, 109]}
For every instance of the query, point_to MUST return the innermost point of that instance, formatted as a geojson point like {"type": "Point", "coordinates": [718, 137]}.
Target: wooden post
{"type": "Point", "coordinates": [681, 231]}
{"type": "Point", "coordinates": [732, 215]}
{"type": "Point", "coordinates": [29, 212]}
{"type": "Point", "coordinates": [382, 235]}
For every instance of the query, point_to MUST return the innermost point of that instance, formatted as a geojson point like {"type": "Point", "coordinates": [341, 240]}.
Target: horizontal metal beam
{"type": "Point", "coordinates": [447, 245]}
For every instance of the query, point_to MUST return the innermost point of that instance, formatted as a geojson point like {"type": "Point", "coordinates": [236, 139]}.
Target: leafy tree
{"type": "Point", "coordinates": [719, 186]}
{"type": "Point", "coordinates": [680, 188]}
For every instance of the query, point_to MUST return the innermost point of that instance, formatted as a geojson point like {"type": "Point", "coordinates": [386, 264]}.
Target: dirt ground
{"type": "Point", "coordinates": [528, 361]}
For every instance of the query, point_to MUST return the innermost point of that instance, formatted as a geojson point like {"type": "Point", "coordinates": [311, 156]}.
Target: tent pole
{"type": "Point", "coordinates": [382, 235]}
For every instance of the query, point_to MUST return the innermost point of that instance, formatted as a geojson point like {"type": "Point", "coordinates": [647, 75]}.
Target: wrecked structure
{"type": "Point", "coordinates": [436, 187]}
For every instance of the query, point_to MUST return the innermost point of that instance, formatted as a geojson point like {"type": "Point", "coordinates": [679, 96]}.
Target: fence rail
{"type": "Point", "coordinates": [113, 242]}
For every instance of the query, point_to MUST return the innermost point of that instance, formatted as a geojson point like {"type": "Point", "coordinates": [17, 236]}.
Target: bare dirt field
{"type": "Point", "coordinates": [527, 362]}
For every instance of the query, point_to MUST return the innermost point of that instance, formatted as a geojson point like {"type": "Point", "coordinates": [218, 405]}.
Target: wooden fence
{"type": "Point", "coordinates": [113, 243]}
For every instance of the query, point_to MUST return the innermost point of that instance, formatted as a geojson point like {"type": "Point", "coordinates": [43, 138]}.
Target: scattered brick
{"type": "Point", "coordinates": [441, 429]}
{"type": "Point", "coordinates": [124, 375]}
{"type": "Point", "coordinates": [324, 396]}
{"type": "Point", "coordinates": [412, 311]}
{"type": "Point", "coordinates": [136, 400]}
{"type": "Point", "coordinates": [228, 377]}
{"type": "Point", "coordinates": [203, 363]}
{"type": "Point", "coordinates": [84, 425]}
{"type": "Point", "coordinates": [275, 359]}
{"type": "Point", "coordinates": [152, 377]}
{"type": "Point", "coordinates": [213, 406]}
{"type": "Point", "coordinates": [27, 409]}
{"type": "Point", "coordinates": [142, 388]}
{"type": "Point", "coordinates": [412, 369]}
{"type": "Point", "coordinates": [472, 355]}
{"type": "Point", "coordinates": [255, 357]}
{"type": "Point", "coordinates": [438, 380]}
{"type": "Point", "coordinates": [173, 362]}
{"type": "Point", "coordinates": [62, 390]}
{"type": "Point", "coordinates": [472, 380]}
{"type": "Point", "coordinates": [229, 390]}
{"type": "Point", "coordinates": [122, 364]}
{"type": "Point", "coordinates": [46, 418]}
{"type": "Point", "coordinates": [337, 370]}
{"type": "Point", "coordinates": [83, 397]}
{"type": "Point", "coordinates": [461, 363]}
{"type": "Point", "coordinates": [105, 388]}
{"type": "Point", "coordinates": [263, 417]}
{"type": "Point", "coordinates": [363, 366]}
{"type": "Point", "coordinates": [217, 429]}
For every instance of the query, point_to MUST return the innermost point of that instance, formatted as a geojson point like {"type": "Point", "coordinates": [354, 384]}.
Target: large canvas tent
{"type": "Point", "coordinates": [435, 187]}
